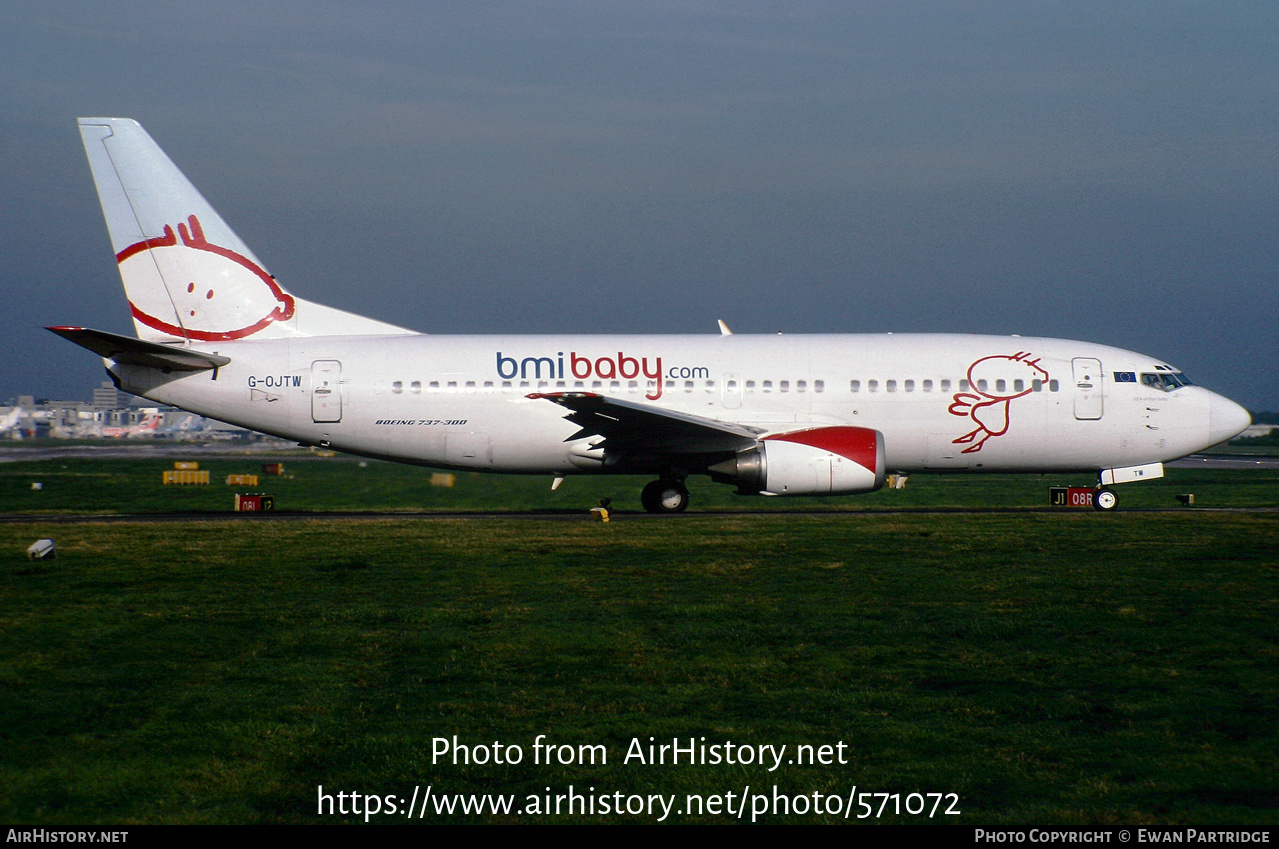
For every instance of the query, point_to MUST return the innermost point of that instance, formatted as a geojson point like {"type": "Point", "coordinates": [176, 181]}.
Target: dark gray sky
{"type": "Point", "coordinates": [1100, 171]}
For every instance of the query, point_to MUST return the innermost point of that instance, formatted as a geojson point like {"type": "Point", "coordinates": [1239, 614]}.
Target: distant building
{"type": "Point", "coordinates": [107, 397]}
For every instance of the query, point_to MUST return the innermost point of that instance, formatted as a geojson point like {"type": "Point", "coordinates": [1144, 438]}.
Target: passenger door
{"type": "Point", "coordinates": [1088, 388]}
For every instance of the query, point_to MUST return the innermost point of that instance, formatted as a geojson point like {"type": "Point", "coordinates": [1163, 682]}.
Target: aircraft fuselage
{"type": "Point", "coordinates": [1018, 403]}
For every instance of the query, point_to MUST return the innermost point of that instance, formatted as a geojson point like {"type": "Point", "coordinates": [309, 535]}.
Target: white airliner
{"type": "Point", "coordinates": [771, 414]}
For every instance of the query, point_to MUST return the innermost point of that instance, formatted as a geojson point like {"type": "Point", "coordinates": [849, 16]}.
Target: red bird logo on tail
{"type": "Point", "coordinates": [204, 291]}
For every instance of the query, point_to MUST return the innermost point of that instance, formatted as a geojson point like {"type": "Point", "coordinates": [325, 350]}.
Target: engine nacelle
{"type": "Point", "coordinates": [818, 461]}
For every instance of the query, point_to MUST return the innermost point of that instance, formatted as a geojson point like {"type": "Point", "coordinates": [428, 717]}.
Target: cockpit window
{"type": "Point", "coordinates": [1165, 382]}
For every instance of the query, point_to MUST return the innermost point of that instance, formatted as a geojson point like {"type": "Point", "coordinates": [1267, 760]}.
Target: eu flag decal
{"type": "Point", "coordinates": [1125, 377]}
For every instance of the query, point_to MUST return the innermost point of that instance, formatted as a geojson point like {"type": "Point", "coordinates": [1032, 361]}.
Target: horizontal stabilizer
{"type": "Point", "coordinates": [135, 352]}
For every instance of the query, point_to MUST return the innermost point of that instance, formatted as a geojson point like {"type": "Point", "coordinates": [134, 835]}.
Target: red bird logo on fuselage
{"type": "Point", "coordinates": [996, 380]}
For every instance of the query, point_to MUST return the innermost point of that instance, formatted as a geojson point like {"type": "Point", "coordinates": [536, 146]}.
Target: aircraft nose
{"type": "Point", "coordinates": [1226, 419]}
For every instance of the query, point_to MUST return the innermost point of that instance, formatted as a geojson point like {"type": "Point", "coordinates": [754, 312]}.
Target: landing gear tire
{"type": "Point", "coordinates": [1104, 499]}
{"type": "Point", "coordinates": [665, 496]}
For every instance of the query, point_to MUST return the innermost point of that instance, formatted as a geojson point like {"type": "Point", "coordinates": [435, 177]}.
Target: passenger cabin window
{"type": "Point", "coordinates": [397, 387]}
{"type": "Point", "coordinates": [854, 386]}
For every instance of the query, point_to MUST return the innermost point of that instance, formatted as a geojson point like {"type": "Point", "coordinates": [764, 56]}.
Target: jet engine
{"type": "Point", "coordinates": [818, 461]}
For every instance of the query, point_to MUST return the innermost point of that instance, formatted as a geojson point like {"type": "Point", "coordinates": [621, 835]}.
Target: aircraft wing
{"type": "Point", "coordinates": [628, 427]}
{"type": "Point", "coordinates": [135, 352]}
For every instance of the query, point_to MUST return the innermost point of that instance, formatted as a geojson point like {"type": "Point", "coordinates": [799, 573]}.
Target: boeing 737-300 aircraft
{"type": "Point", "coordinates": [771, 414]}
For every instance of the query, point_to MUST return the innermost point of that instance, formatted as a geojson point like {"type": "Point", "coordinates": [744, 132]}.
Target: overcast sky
{"type": "Point", "coordinates": [1099, 171]}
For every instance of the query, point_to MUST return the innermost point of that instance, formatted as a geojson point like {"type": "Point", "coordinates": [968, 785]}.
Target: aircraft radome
{"type": "Point", "coordinates": [823, 414]}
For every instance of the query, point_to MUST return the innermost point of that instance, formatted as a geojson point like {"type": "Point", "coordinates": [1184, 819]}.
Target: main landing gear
{"type": "Point", "coordinates": [667, 495]}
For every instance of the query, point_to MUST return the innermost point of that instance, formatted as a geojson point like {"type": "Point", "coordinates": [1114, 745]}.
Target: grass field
{"type": "Point", "coordinates": [344, 484]}
{"type": "Point", "coordinates": [1064, 667]}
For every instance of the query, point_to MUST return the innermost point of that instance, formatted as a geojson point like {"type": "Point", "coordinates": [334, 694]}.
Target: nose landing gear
{"type": "Point", "coordinates": [667, 495]}
{"type": "Point", "coordinates": [1104, 499]}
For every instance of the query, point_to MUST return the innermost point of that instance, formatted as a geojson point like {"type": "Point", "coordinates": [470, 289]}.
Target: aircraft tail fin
{"type": "Point", "coordinates": [187, 275]}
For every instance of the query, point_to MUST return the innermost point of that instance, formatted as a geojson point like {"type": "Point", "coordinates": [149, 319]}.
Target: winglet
{"type": "Point", "coordinates": [723, 328]}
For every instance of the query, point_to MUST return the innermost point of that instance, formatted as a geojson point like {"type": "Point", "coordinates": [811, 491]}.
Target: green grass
{"type": "Point", "coordinates": [1049, 668]}
{"type": "Point", "coordinates": [342, 483]}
